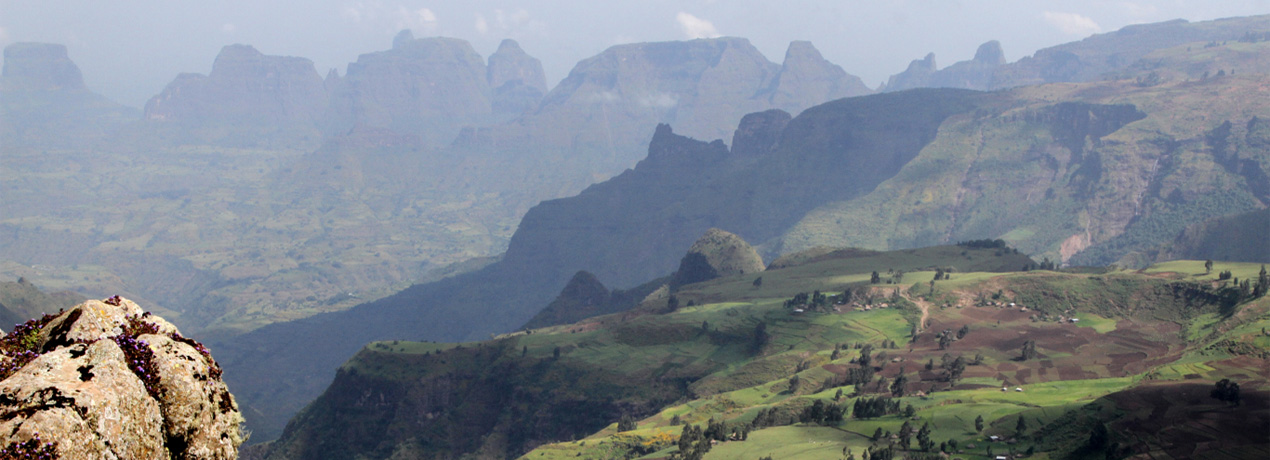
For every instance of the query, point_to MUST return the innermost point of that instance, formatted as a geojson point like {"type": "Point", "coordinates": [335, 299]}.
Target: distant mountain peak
{"type": "Point", "coordinates": [402, 38]}
{"type": "Point", "coordinates": [990, 53]}
{"type": "Point", "coordinates": [40, 66]}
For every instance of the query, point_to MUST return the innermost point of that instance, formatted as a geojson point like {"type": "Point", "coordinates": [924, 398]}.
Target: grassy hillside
{"type": "Point", "coordinates": [1102, 177]}
{"type": "Point", "coordinates": [1141, 337]}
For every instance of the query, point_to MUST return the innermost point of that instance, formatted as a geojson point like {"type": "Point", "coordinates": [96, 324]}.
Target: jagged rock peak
{"type": "Point", "coordinates": [510, 63]}
{"type": "Point", "coordinates": [107, 380]}
{"type": "Point", "coordinates": [39, 66]}
{"type": "Point", "coordinates": [758, 132]}
{"type": "Point", "coordinates": [402, 38]}
{"type": "Point", "coordinates": [802, 50]}
{"type": "Point", "coordinates": [990, 53]}
{"type": "Point", "coordinates": [926, 64]}
{"type": "Point", "coordinates": [717, 253]}
{"type": "Point", "coordinates": [668, 149]}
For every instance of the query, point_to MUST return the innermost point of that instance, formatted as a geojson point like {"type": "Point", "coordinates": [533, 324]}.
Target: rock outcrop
{"type": "Point", "coordinates": [44, 103]}
{"type": "Point", "coordinates": [250, 92]}
{"type": "Point", "coordinates": [39, 66]}
{"type": "Point", "coordinates": [426, 86]}
{"type": "Point", "coordinates": [716, 254]}
{"type": "Point", "coordinates": [516, 78]}
{"type": "Point", "coordinates": [977, 73]}
{"type": "Point", "coordinates": [108, 380]}
{"type": "Point", "coordinates": [917, 75]}
{"type": "Point", "coordinates": [807, 79]}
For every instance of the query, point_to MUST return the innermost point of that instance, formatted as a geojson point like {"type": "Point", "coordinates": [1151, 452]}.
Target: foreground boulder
{"type": "Point", "coordinates": [108, 380]}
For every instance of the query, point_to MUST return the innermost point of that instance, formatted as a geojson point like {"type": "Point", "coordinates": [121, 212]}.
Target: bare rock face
{"type": "Point", "coordinates": [107, 380]}
{"type": "Point", "coordinates": [516, 78]}
{"type": "Point", "coordinates": [807, 79]}
{"type": "Point", "coordinates": [758, 132]}
{"type": "Point", "coordinates": [255, 94]}
{"type": "Point", "coordinates": [426, 86]}
{"type": "Point", "coordinates": [39, 66]}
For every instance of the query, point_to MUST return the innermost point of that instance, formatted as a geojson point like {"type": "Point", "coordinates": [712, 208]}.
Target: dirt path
{"type": "Point", "coordinates": [923, 305]}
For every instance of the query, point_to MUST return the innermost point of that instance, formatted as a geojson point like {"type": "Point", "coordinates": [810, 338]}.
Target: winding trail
{"type": "Point", "coordinates": [923, 305]}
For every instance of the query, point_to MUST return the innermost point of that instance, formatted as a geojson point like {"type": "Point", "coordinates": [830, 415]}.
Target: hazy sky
{"type": "Point", "coordinates": [129, 49]}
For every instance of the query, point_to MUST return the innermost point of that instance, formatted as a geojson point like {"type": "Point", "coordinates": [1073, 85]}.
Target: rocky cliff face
{"type": "Point", "coordinates": [806, 79]}
{"type": "Point", "coordinates": [253, 93]}
{"type": "Point", "coordinates": [428, 86]}
{"type": "Point", "coordinates": [974, 74]}
{"type": "Point", "coordinates": [516, 79]}
{"type": "Point", "coordinates": [39, 66]}
{"type": "Point", "coordinates": [44, 103]}
{"type": "Point", "coordinates": [108, 380]}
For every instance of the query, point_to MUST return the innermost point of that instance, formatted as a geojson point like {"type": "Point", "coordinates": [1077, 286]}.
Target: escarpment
{"type": "Point", "coordinates": [108, 380]}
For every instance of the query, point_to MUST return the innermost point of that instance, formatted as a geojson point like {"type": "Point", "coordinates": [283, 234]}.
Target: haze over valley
{"type": "Point", "coordinates": [441, 248]}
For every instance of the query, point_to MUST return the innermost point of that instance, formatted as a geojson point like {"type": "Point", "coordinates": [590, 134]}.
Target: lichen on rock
{"type": "Point", "coordinates": [107, 380]}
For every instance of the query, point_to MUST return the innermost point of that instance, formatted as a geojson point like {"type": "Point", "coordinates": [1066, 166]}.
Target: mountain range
{"type": "Point", "coordinates": [333, 191]}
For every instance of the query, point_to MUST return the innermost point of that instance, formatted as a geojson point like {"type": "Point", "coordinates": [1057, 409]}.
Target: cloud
{"type": "Point", "coordinates": [659, 101]}
{"type": "Point", "coordinates": [1072, 23]}
{"type": "Point", "coordinates": [695, 27]}
{"type": "Point", "coordinates": [421, 20]}
{"type": "Point", "coordinates": [481, 26]}
{"type": "Point", "coordinates": [228, 28]}
{"type": "Point", "coordinates": [4, 36]}
{"type": "Point", "coordinates": [1139, 11]}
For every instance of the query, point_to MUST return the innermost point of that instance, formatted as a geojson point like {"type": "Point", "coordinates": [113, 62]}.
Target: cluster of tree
{"type": "Point", "coordinates": [1246, 289]}
{"type": "Point", "coordinates": [1046, 264]}
{"type": "Point", "coordinates": [866, 408]}
{"type": "Point", "coordinates": [897, 277]}
{"type": "Point", "coordinates": [942, 274]}
{"type": "Point", "coordinates": [693, 444]}
{"type": "Point", "coordinates": [816, 301]}
{"type": "Point", "coordinates": [1253, 37]}
{"type": "Point", "coordinates": [1029, 350]}
{"type": "Point", "coordinates": [771, 417]}
{"type": "Point", "coordinates": [822, 413]}
{"type": "Point", "coordinates": [952, 367]}
{"type": "Point", "coordinates": [761, 338]}
{"type": "Point", "coordinates": [1226, 390]}
{"type": "Point", "coordinates": [984, 244]}
{"type": "Point", "coordinates": [626, 423]}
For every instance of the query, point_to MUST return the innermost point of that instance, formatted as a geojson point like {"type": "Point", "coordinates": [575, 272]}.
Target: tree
{"type": "Point", "coordinates": [794, 383]}
{"type": "Point", "coordinates": [961, 333]}
{"type": "Point", "coordinates": [875, 278]}
{"type": "Point", "coordinates": [1098, 437]}
{"type": "Point", "coordinates": [1029, 350]}
{"type": "Point", "coordinates": [555, 354]}
{"type": "Point", "coordinates": [898, 386]}
{"type": "Point", "coordinates": [758, 282]}
{"type": "Point", "coordinates": [909, 411]}
{"type": "Point", "coordinates": [626, 423]}
{"type": "Point", "coordinates": [1021, 427]}
{"type": "Point", "coordinates": [877, 434]}
{"type": "Point", "coordinates": [672, 303]}
{"type": "Point", "coordinates": [906, 434]}
{"type": "Point", "coordinates": [1208, 266]}
{"type": "Point", "coordinates": [760, 338]}
{"type": "Point", "coordinates": [1226, 390]}
{"type": "Point", "coordinates": [979, 423]}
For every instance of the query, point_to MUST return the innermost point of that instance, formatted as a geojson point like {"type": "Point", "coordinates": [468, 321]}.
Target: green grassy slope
{"type": "Point", "coordinates": [1139, 331]}
{"type": "Point", "coordinates": [1114, 170]}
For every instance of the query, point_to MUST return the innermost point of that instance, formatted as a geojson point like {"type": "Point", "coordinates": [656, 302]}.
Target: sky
{"type": "Point", "coordinates": [129, 50]}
